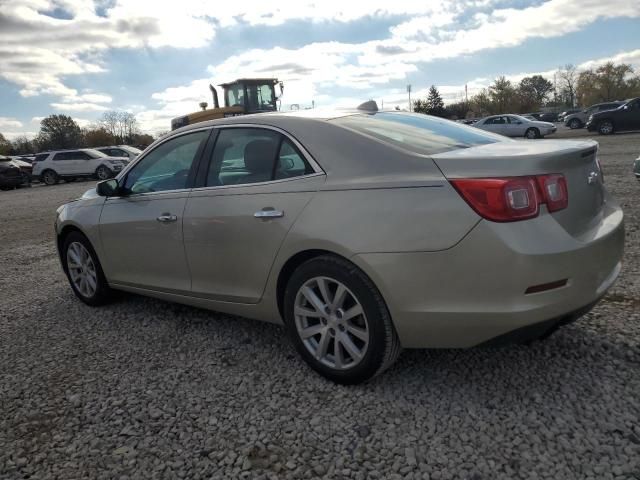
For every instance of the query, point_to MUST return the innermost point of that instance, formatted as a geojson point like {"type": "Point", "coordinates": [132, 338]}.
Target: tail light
{"type": "Point", "coordinates": [513, 198]}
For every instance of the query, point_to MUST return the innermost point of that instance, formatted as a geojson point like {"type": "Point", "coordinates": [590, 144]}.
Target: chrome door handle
{"type": "Point", "coordinates": [167, 217]}
{"type": "Point", "coordinates": [268, 213]}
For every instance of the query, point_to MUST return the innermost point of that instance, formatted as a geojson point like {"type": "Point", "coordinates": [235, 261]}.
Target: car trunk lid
{"type": "Point", "coordinates": [575, 160]}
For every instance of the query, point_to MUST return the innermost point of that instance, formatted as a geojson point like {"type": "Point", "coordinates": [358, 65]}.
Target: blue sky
{"type": "Point", "coordinates": [155, 59]}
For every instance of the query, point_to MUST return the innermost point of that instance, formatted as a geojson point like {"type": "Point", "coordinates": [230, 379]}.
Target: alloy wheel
{"type": "Point", "coordinates": [49, 178]}
{"type": "Point", "coordinates": [331, 323]}
{"type": "Point", "coordinates": [606, 127]}
{"type": "Point", "coordinates": [103, 173]}
{"type": "Point", "coordinates": [82, 270]}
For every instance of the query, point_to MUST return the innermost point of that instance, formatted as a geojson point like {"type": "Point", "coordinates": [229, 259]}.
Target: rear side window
{"type": "Point", "coordinates": [62, 156]}
{"type": "Point", "coordinates": [418, 133]}
{"type": "Point", "coordinates": [41, 157]}
{"type": "Point", "coordinates": [253, 155]}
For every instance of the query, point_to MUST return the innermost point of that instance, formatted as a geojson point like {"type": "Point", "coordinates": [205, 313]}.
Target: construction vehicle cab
{"type": "Point", "coordinates": [241, 97]}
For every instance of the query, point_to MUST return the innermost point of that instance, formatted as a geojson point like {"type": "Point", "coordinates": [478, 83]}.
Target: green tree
{"type": "Point", "coordinates": [435, 104]}
{"type": "Point", "coordinates": [22, 145]}
{"type": "Point", "coordinates": [419, 106]}
{"type": "Point", "coordinates": [503, 96]}
{"type": "Point", "coordinates": [58, 132]}
{"type": "Point", "coordinates": [533, 91]}
{"type": "Point", "coordinates": [457, 110]}
{"type": "Point", "coordinates": [5, 145]}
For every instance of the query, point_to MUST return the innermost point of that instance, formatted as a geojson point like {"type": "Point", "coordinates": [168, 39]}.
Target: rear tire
{"type": "Point", "coordinates": [605, 127]}
{"type": "Point", "coordinates": [575, 123]}
{"type": "Point", "coordinates": [49, 177]}
{"type": "Point", "coordinates": [84, 271]}
{"type": "Point", "coordinates": [347, 347]}
{"type": "Point", "coordinates": [532, 133]}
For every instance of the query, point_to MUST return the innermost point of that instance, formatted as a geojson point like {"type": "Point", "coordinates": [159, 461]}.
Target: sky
{"type": "Point", "coordinates": [156, 59]}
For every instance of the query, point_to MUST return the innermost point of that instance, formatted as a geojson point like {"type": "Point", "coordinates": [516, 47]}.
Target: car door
{"type": "Point", "coordinates": [141, 230]}
{"type": "Point", "coordinates": [62, 163]}
{"type": "Point", "coordinates": [629, 116]}
{"type": "Point", "coordinates": [257, 182]}
{"type": "Point", "coordinates": [516, 127]}
{"type": "Point", "coordinates": [80, 163]}
{"type": "Point", "coordinates": [490, 124]}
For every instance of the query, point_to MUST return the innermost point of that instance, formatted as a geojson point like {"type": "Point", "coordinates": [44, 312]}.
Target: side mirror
{"type": "Point", "coordinates": [108, 188]}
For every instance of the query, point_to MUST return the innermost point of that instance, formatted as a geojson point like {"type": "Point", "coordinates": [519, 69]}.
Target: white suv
{"type": "Point", "coordinates": [121, 151]}
{"type": "Point", "coordinates": [51, 167]}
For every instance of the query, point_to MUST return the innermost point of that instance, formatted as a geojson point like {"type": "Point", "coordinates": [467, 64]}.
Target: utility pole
{"type": "Point", "coordinates": [409, 92]}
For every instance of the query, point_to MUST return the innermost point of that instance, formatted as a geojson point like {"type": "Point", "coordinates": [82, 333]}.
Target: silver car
{"type": "Point", "coordinates": [515, 126]}
{"type": "Point", "coordinates": [364, 232]}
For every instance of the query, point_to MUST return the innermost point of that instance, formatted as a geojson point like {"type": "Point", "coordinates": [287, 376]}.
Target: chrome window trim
{"type": "Point", "coordinates": [125, 171]}
{"type": "Point", "coordinates": [256, 184]}
{"type": "Point", "coordinates": [305, 153]}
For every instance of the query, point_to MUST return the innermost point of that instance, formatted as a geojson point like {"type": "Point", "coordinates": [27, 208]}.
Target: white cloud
{"type": "Point", "coordinates": [79, 107]}
{"type": "Point", "coordinates": [6, 122]}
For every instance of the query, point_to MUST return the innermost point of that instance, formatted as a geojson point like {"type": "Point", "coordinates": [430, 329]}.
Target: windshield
{"type": "Point", "coordinates": [95, 153]}
{"type": "Point", "coordinates": [418, 133]}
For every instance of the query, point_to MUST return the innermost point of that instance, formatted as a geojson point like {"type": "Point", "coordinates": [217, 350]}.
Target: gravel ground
{"type": "Point", "coordinates": [147, 389]}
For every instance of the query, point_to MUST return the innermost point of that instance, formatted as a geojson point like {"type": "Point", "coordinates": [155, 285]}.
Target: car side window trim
{"type": "Point", "coordinates": [192, 172]}
{"type": "Point", "coordinates": [204, 171]}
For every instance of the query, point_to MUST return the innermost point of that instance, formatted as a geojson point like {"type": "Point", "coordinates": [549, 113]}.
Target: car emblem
{"type": "Point", "coordinates": [592, 178]}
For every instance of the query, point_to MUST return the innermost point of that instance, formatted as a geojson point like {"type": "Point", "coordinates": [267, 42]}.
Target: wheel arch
{"type": "Point", "coordinates": [65, 231]}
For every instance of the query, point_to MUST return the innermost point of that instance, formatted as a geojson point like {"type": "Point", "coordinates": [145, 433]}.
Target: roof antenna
{"type": "Point", "coordinates": [368, 106]}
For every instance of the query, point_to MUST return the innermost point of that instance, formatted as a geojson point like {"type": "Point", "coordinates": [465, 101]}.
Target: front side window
{"type": "Point", "coordinates": [235, 96]}
{"type": "Point", "coordinates": [418, 133]}
{"type": "Point", "coordinates": [167, 167]}
{"type": "Point", "coordinates": [253, 155]}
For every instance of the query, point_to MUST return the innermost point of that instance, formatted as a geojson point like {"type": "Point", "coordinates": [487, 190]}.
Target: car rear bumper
{"type": "Point", "coordinates": [475, 291]}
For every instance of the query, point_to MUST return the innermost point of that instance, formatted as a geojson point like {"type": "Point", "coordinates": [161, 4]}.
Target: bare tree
{"type": "Point", "coordinates": [568, 77]}
{"type": "Point", "coordinates": [121, 125]}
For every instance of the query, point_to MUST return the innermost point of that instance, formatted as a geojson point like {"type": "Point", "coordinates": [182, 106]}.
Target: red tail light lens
{"type": "Point", "coordinates": [513, 198]}
{"type": "Point", "coordinates": [500, 199]}
{"type": "Point", "coordinates": [554, 191]}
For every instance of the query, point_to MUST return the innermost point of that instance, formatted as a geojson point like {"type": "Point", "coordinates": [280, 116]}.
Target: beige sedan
{"type": "Point", "coordinates": [364, 232]}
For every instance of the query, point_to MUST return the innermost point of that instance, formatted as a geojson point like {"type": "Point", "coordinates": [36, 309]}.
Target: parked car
{"type": "Point", "coordinates": [623, 119]}
{"type": "Point", "coordinates": [515, 126]}
{"type": "Point", "coordinates": [579, 119]}
{"type": "Point", "coordinates": [25, 168]}
{"type": "Point", "coordinates": [636, 168]}
{"type": "Point", "coordinates": [72, 164]}
{"type": "Point", "coordinates": [548, 117]}
{"type": "Point", "coordinates": [305, 218]}
{"type": "Point", "coordinates": [124, 151]}
{"type": "Point", "coordinates": [535, 115]}
{"type": "Point", "coordinates": [563, 115]}
{"type": "Point", "coordinates": [10, 174]}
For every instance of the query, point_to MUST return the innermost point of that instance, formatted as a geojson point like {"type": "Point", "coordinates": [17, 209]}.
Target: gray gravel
{"type": "Point", "coordinates": [147, 389]}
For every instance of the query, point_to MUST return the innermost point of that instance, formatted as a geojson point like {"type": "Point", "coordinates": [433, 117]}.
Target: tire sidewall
{"type": "Point", "coordinates": [370, 299]}
{"type": "Point", "coordinates": [105, 169]}
{"type": "Point", "coordinates": [601, 124]}
{"type": "Point", "coordinates": [54, 177]}
{"type": "Point", "coordinates": [102, 290]}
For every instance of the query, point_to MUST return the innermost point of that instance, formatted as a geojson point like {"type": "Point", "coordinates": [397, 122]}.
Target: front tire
{"type": "Point", "coordinates": [103, 173]}
{"type": "Point", "coordinates": [84, 271]}
{"type": "Point", "coordinates": [532, 133]}
{"type": "Point", "coordinates": [338, 321]}
{"type": "Point", "coordinates": [49, 177]}
{"type": "Point", "coordinates": [574, 124]}
{"type": "Point", "coordinates": [605, 127]}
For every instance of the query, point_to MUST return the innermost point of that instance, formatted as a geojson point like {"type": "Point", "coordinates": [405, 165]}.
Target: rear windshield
{"type": "Point", "coordinates": [418, 133]}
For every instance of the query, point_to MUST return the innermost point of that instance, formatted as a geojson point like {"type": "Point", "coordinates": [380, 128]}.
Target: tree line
{"type": "Point", "coordinates": [59, 132]}
{"type": "Point", "coordinates": [569, 89]}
